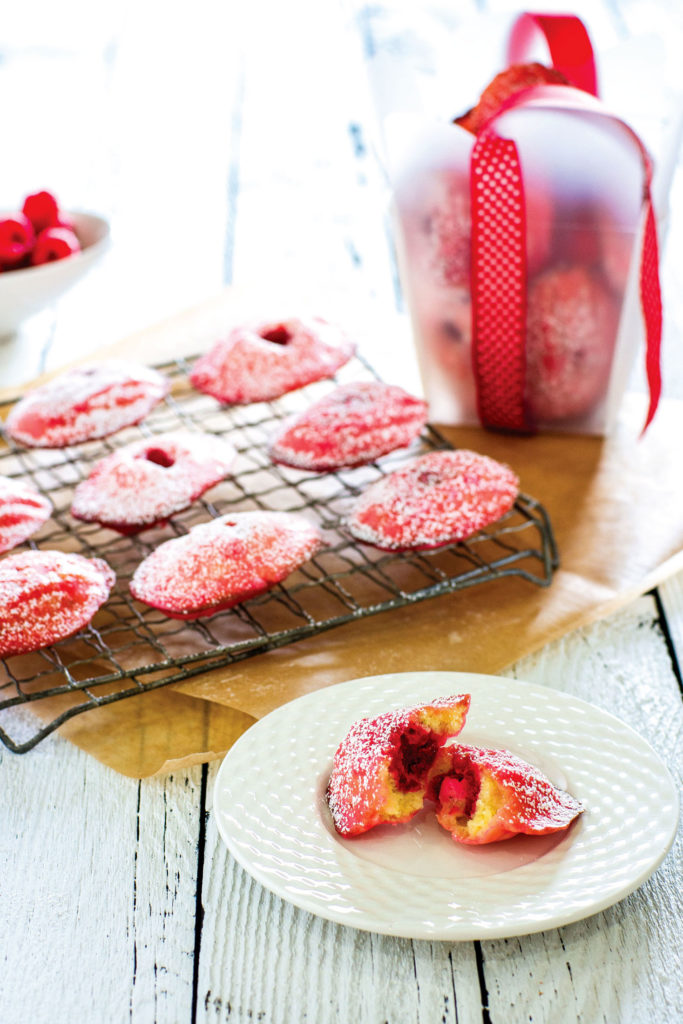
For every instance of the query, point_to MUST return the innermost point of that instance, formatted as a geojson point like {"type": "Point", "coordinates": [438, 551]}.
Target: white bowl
{"type": "Point", "coordinates": [25, 292]}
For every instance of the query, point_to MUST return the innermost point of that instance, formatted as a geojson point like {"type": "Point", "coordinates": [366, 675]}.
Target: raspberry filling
{"type": "Point", "coordinates": [159, 457]}
{"type": "Point", "coordinates": [413, 759]}
{"type": "Point", "coordinates": [457, 792]}
{"type": "Point", "coordinates": [278, 334]}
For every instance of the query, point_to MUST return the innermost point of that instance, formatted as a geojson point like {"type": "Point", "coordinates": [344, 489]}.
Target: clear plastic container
{"type": "Point", "coordinates": [583, 185]}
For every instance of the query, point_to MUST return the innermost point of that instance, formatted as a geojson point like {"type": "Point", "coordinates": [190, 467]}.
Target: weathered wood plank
{"type": "Point", "coordinates": [98, 890]}
{"type": "Point", "coordinates": [164, 900]}
{"type": "Point", "coordinates": [620, 964]}
{"type": "Point", "coordinates": [671, 597]}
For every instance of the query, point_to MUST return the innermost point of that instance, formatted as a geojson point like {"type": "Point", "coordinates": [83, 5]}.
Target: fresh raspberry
{"type": "Point", "coordinates": [17, 239]}
{"type": "Point", "coordinates": [436, 499]}
{"type": "Point", "coordinates": [261, 362]}
{"type": "Point", "coordinates": [354, 424]}
{"type": "Point", "coordinates": [142, 484]}
{"type": "Point", "coordinates": [224, 562]}
{"type": "Point", "coordinates": [486, 795]}
{"type": "Point", "coordinates": [42, 210]}
{"type": "Point", "coordinates": [505, 84]}
{"type": "Point", "coordinates": [381, 768]}
{"type": "Point", "coordinates": [54, 244]}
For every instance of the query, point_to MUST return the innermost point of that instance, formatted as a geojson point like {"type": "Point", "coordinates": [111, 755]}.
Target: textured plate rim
{"type": "Point", "coordinates": [437, 683]}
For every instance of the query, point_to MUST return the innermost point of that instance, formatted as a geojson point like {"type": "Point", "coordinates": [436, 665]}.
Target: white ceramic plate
{"type": "Point", "coordinates": [413, 880]}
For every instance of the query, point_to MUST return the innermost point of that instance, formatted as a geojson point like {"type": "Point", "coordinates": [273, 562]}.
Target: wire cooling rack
{"type": "Point", "coordinates": [130, 648]}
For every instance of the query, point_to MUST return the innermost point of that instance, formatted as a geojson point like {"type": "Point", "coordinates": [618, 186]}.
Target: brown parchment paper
{"type": "Point", "coordinates": [616, 506]}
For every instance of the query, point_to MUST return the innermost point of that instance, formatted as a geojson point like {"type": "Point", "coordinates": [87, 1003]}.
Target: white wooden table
{"type": "Point", "coordinates": [234, 143]}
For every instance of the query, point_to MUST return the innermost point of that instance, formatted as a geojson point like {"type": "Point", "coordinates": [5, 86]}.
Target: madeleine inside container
{"type": "Point", "coordinates": [582, 177]}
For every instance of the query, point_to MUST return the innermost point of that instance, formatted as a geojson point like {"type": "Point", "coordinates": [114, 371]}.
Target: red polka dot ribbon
{"type": "Point", "coordinates": [498, 236]}
{"type": "Point", "coordinates": [498, 282]}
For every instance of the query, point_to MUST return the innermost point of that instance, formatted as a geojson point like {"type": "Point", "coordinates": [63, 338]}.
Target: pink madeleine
{"type": "Point", "coordinates": [381, 768]}
{"type": "Point", "coordinates": [224, 562]}
{"type": "Point", "coordinates": [354, 424]}
{"type": "Point", "coordinates": [86, 403]}
{"type": "Point", "coordinates": [486, 795]}
{"type": "Point", "coordinates": [263, 361]}
{"type": "Point", "coordinates": [144, 483]}
{"type": "Point", "coordinates": [436, 499]}
{"type": "Point", "coordinates": [46, 596]}
{"type": "Point", "coordinates": [572, 322]}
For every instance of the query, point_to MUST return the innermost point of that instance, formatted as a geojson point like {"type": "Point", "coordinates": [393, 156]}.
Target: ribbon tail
{"type": "Point", "coordinates": [651, 300]}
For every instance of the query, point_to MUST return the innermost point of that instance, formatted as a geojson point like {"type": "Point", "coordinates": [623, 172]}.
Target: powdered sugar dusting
{"type": "Point", "coordinates": [355, 423]}
{"type": "Point", "coordinates": [259, 362]}
{"type": "Point", "coordinates": [142, 484]}
{"type": "Point", "coordinates": [22, 511]}
{"type": "Point", "coordinates": [361, 793]}
{"type": "Point", "coordinates": [85, 403]}
{"type": "Point", "coordinates": [438, 498]}
{"type": "Point", "coordinates": [46, 596]}
{"type": "Point", "coordinates": [223, 562]}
